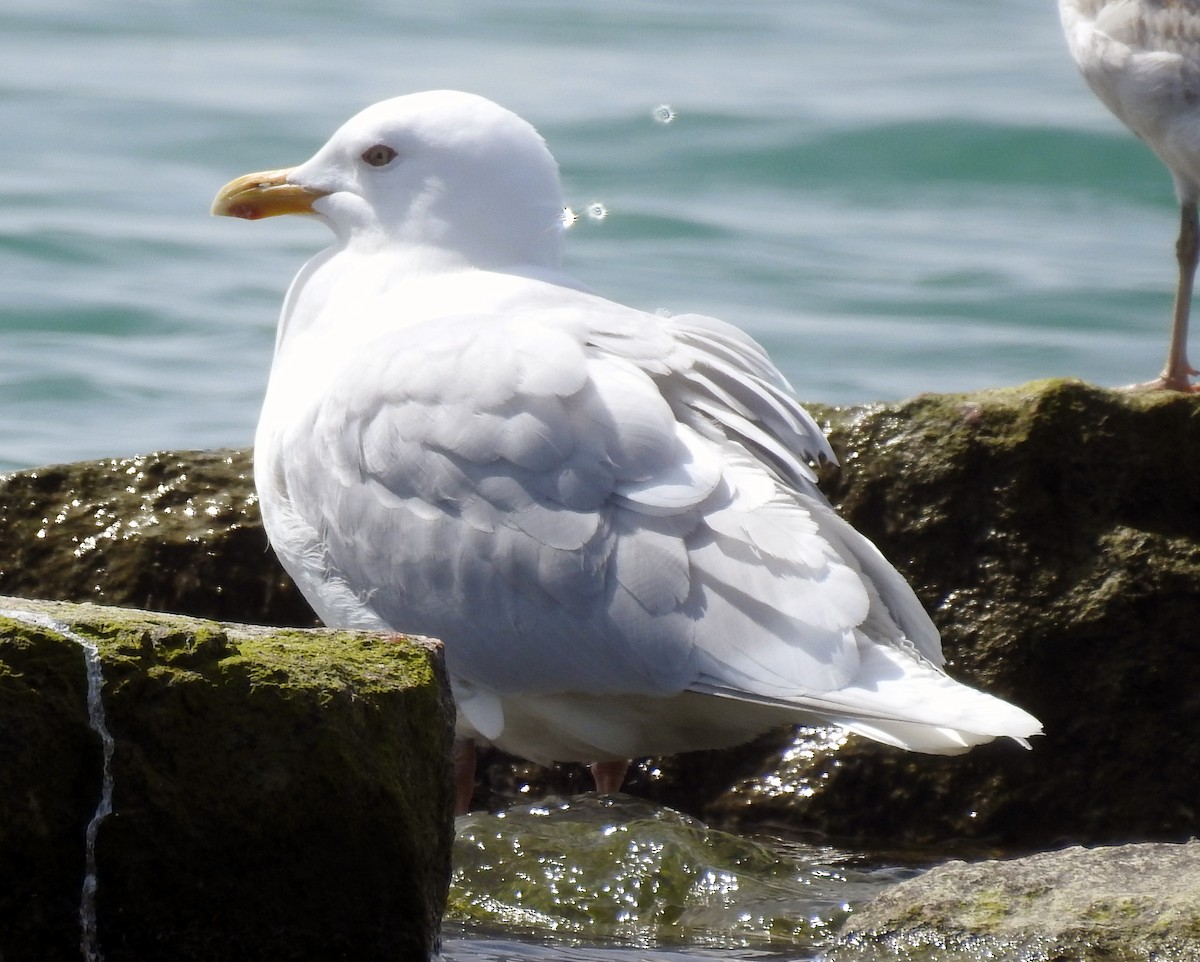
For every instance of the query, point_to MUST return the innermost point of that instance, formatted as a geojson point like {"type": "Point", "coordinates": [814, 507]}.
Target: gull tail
{"type": "Point", "coordinates": [906, 703]}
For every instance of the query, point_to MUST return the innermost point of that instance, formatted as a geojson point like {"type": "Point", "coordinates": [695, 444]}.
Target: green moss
{"type": "Point", "coordinates": [1177, 924]}
{"type": "Point", "coordinates": [986, 910]}
{"type": "Point", "coordinates": [281, 781]}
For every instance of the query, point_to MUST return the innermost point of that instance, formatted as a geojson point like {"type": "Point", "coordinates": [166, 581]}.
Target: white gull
{"type": "Point", "coordinates": [609, 517]}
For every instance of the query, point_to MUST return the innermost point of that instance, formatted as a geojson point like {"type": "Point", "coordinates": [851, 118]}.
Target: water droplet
{"type": "Point", "coordinates": [597, 211]}
{"type": "Point", "coordinates": [663, 113]}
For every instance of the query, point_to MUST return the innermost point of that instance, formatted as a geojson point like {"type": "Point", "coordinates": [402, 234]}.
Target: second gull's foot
{"type": "Point", "coordinates": [1180, 383]}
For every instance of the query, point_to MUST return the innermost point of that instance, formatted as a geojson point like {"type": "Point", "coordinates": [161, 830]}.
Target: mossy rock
{"type": "Point", "coordinates": [177, 532]}
{"type": "Point", "coordinates": [1128, 903]}
{"type": "Point", "coordinates": [1052, 530]}
{"type": "Point", "coordinates": [611, 867]}
{"type": "Point", "coordinates": [277, 794]}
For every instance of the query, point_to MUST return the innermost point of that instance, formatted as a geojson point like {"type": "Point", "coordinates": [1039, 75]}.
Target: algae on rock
{"type": "Point", "coordinates": [1128, 903]}
{"type": "Point", "coordinates": [614, 867]}
{"type": "Point", "coordinates": [277, 793]}
{"type": "Point", "coordinates": [1052, 530]}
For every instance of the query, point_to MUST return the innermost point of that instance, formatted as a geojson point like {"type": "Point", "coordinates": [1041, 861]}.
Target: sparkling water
{"type": "Point", "coordinates": [895, 197]}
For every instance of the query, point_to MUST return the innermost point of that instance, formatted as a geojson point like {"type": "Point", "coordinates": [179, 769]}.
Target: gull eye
{"type": "Point", "coordinates": [379, 156]}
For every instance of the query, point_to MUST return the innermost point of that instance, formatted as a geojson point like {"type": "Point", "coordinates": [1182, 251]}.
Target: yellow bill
{"type": "Point", "coordinates": [264, 194]}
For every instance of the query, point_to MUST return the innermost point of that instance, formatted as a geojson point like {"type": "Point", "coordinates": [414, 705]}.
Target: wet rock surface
{"type": "Point", "coordinates": [1052, 529]}
{"type": "Point", "coordinates": [617, 869]}
{"type": "Point", "coordinates": [1116, 904]}
{"type": "Point", "coordinates": [176, 532]}
{"type": "Point", "coordinates": [621, 869]}
{"type": "Point", "coordinates": [277, 794]}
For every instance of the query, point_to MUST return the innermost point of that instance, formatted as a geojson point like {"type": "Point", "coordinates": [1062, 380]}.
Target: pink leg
{"type": "Point", "coordinates": [1177, 373]}
{"type": "Point", "coordinates": [609, 776]}
{"type": "Point", "coordinates": [464, 775]}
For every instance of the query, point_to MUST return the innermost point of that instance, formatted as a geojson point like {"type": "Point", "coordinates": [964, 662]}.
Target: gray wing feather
{"type": "Point", "coordinates": [595, 501]}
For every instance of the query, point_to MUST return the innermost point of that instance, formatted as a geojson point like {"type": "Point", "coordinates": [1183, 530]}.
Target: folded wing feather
{"type": "Point", "coordinates": [607, 501]}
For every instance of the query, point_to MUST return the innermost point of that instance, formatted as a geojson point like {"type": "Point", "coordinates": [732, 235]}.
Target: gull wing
{"type": "Point", "coordinates": [592, 499]}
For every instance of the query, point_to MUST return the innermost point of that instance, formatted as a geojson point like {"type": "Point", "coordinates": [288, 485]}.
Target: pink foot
{"type": "Point", "coordinates": [609, 776]}
{"type": "Point", "coordinates": [1164, 382]}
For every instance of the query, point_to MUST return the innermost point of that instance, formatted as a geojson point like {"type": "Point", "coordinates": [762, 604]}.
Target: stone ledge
{"type": "Point", "coordinates": [1052, 529]}
{"type": "Point", "coordinates": [1127, 903]}
{"type": "Point", "coordinates": [276, 793]}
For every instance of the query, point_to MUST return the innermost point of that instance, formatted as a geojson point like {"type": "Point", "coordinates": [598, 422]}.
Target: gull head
{"type": "Point", "coordinates": [444, 175]}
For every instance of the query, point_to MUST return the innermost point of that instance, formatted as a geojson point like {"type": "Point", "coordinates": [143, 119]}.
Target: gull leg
{"type": "Point", "coordinates": [464, 775]}
{"type": "Point", "coordinates": [609, 776]}
{"type": "Point", "coordinates": [1176, 375]}
{"type": "Point", "coordinates": [1187, 249]}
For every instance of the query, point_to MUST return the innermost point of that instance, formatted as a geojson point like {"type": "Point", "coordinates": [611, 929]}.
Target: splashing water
{"type": "Point", "coordinates": [99, 724]}
{"type": "Point", "coordinates": [595, 211]}
{"type": "Point", "coordinates": [663, 113]}
{"type": "Point", "coordinates": [614, 869]}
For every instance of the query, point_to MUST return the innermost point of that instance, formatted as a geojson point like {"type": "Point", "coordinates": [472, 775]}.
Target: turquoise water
{"type": "Point", "coordinates": [894, 196]}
